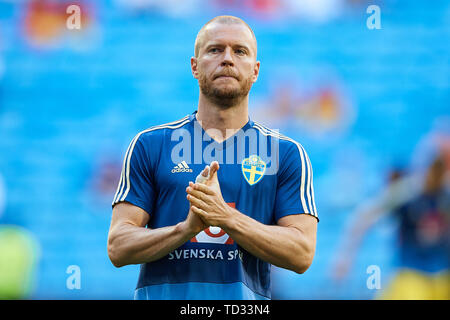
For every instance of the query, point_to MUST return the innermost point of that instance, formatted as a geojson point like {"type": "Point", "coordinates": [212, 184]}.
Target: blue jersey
{"type": "Point", "coordinates": [424, 240]}
{"type": "Point", "coordinates": [263, 174]}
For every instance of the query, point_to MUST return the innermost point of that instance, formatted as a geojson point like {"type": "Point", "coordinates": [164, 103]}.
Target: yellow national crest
{"type": "Point", "coordinates": [253, 169]}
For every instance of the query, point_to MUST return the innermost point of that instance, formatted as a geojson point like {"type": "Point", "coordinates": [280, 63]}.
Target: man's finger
{"type": "Point", "coordinates": [203, 188]}
{"type": "Point", "coordinates": [196, 201]}
{"type": "Point", "coordinates": [203, 176]}
{"type": "Point", "coordinates": [213, 169]}
{"type": "Point", "coordinates": [205, 171]}
{"type": "Point", "coordinates": [197, 193]}
{"type": "Point", "coordinates": [198, 211]}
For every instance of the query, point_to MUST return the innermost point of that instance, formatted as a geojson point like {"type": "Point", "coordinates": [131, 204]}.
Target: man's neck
{"type": "Point", "coordinates": [226, 121]}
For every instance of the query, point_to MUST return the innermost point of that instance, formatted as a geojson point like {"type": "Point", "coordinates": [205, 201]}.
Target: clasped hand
{"type": "Point", "coordinates": [206, 198]}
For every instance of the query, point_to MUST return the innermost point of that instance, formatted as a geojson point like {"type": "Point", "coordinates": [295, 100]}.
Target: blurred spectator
{"type": "Point", "coordinates": [103, 181]}
{"type": "Point", "coordinates": [45, 21]}
{"type": "Point", "coordinates": [436, 141]}
{"type": "Point", "coordinates": [19, 253]}
{"type": "Point", "coordinates": [423, 211]}
{"type": "Point", "coordinates": [18, 257]}
{"type": "Point", "coordinates": [320, 110]}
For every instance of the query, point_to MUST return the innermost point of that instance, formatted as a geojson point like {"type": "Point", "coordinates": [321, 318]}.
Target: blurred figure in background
{"type": "Point", "coordinates": [18, 255]}
{"type": "Point", "coordinates": [423, 211]}
{"type": "Point", "coordinates": [102, 181]}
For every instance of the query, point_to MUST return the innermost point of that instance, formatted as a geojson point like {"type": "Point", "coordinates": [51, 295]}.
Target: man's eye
{"type": "Point", "coordinates": [240, 51]}
{"type": "Point", "coordinates": [213, 50]}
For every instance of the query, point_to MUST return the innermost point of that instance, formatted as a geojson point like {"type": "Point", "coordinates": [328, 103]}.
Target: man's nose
{"type": "Point", "coordinates": [227, 57]}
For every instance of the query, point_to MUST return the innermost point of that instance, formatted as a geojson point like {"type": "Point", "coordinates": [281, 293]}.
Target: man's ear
{"type": "Point", "coordinates": [256, 71]}
{"type": "Point", "coordinates": [194, 67]}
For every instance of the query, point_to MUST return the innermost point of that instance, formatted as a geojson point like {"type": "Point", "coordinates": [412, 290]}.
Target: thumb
{"type": "Point", "coordinates": [203, 176]}
{"type": "Point", "coordinates": [213, 168]}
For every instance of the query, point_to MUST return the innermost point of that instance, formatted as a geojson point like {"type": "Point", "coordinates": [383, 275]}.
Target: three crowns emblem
{"type": "Point", "coordinates": [253, 169]}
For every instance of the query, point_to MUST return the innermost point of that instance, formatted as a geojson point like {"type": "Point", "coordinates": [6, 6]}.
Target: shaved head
{"type": "Point", "coordinates": [226, 20]}
{"type": "Point", "coordinates": [225, 62]}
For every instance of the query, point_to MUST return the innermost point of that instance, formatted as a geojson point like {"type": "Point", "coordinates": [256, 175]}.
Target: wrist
{"type": "Point", "coordinates": [231, 221]}
{"type": "Point", "coordinates": [183, 229]}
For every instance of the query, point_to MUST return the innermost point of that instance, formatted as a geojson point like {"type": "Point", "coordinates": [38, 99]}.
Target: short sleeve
{"type": "Point", "coordinates": [136, 180]}
{"type": "Point", "coordinates": [295, 191]}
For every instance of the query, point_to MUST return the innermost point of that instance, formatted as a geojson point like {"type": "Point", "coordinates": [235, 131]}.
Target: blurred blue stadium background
{"type": "Point", "coordinates": [359, 100]}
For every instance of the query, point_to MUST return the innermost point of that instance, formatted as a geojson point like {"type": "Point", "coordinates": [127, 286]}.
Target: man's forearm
{"type": "Point", "coordinates": [130, 244]}
{"type": "Point", "coordinates": [285, 247]}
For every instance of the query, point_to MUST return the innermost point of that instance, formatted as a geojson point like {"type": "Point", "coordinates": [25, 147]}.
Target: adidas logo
{"type": "Point", "coordinates": [181, 167]}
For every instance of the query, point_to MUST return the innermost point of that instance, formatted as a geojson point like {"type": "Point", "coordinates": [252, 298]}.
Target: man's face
{"type": "Point", "coordinates": [226, 66]}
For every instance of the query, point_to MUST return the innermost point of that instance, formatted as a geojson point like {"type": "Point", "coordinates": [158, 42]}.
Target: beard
{"type": "Point", "coordinates": [225, 96]}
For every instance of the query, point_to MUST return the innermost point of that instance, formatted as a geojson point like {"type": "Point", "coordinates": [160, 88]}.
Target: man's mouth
{"type": "Point", "coordinates": [225, 77]}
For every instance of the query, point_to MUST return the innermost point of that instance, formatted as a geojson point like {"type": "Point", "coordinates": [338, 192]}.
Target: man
{"type": "Point", "coordinates": [253, 207]}
{"type": "Point", "coordinates": [421, 206]}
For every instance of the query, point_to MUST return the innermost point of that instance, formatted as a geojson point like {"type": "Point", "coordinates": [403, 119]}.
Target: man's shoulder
{"type": "Point", "coordinates": [286, 143]}
{"type": "Point", "coordinates": [160, 131]}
